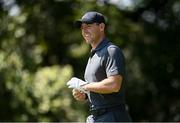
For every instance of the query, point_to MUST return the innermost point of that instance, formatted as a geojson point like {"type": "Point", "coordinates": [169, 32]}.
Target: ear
{"type": "Point", "coordinates": [102, 26]}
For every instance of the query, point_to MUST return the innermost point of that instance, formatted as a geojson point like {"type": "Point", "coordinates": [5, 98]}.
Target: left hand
{"type": "Point", "coordinates": [78, 95]}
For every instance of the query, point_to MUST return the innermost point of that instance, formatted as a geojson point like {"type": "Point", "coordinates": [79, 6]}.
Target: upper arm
{"type": "Point", "coordinates": [114, 62]}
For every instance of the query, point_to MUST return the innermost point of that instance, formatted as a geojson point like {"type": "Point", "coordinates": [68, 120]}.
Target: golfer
{"type": "Point", "coordinates": [104, 74]}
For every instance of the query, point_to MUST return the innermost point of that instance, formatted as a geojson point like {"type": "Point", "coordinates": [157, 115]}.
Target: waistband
{"type": "Point", "coordinates": [102, 111]}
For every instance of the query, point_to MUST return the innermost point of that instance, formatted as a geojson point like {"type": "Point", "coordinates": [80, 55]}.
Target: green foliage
{"type": "Point", "coordinates": [40, 51]}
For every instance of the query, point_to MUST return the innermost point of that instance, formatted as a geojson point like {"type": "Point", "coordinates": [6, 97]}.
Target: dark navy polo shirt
{"type": "Point", "coordinates": [106, 60]}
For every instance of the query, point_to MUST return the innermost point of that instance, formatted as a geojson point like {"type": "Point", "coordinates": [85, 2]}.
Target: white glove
{"type": "Point", "coordinates": [76, 84]}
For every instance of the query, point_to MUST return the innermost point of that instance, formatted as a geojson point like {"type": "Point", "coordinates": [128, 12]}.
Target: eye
{"type": "Point", "coordinates": [88, 26]}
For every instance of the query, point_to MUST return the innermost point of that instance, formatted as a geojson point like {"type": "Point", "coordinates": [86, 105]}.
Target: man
{"type": "Point", "coordinates": [104, 74]}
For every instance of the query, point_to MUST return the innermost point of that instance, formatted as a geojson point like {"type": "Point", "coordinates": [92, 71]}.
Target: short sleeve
{"type": "Point", "coordinates": [114, 61]}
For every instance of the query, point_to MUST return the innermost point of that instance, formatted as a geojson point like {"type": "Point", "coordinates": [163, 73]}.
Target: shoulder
{"type": "Point", "coordinates": [111, 49]}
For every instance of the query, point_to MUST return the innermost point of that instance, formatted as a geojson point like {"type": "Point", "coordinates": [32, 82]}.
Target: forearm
{"type": "Point", "coordinates": [106, 86]}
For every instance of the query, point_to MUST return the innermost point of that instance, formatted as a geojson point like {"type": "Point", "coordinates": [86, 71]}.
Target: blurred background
{"type": "Point", "coordinates": [40, 51]}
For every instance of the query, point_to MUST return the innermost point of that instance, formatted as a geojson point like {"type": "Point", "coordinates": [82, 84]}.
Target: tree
{"type": "Point", "coordinates": [40, 51]}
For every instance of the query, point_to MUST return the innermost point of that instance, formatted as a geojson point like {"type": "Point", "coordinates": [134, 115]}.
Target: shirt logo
{"type": "Point", "coordinates": [112, 70]}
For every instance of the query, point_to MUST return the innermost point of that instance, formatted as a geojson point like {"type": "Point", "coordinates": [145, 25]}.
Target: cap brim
{"type": "Point", "coordinates": [77, 23]}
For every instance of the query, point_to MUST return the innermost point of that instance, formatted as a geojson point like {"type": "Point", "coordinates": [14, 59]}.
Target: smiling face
{"type": "Point", "coordinates": [92, 33]}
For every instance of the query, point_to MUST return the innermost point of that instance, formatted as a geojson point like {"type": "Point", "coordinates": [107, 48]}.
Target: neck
{"type": "Point", "coordinates": [95, 43]}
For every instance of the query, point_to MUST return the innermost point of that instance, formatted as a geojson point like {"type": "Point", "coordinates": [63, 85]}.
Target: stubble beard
{"type": "Point", "coordinates": [89, 40]}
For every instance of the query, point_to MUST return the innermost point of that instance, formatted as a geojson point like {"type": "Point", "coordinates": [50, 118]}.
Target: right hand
{"type": "Point", "coordinates": [77, 83]}
{"type": "Point", "coordinates": [78, 95]}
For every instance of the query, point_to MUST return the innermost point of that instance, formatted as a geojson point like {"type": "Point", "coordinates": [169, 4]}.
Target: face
{"type": "Point", "coordinates": [91, 32]}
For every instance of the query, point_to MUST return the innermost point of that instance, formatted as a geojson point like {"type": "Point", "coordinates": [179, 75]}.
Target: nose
{"type": "Point", "coordinates": [84, 29]}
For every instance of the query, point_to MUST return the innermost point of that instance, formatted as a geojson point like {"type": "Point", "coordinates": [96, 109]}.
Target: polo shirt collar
{"type": "Point", "coordinates": [101, 45]}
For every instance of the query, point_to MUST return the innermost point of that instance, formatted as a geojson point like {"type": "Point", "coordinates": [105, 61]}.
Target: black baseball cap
{"type": "Point", "coordinates": [90, 18]}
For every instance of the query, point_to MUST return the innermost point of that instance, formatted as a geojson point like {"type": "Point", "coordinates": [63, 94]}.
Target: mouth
{"type": "Point", "coordinates": [86, 35]}
{"type": "Point", "coordinates": [87, 38]}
